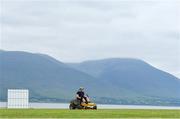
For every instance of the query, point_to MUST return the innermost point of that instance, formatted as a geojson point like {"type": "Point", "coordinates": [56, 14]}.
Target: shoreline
{"type": "Point", "coordinates": [34, 105]}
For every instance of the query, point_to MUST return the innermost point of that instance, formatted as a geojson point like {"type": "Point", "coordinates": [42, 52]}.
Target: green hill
{"type": "Point", "coordinates": [115, 81]}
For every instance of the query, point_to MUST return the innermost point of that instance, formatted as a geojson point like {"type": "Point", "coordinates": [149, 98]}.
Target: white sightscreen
{"type": "Point", "coordinates": [18, 98]}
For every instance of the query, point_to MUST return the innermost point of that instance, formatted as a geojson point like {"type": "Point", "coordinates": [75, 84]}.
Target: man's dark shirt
{"type": "Point", "coordinates": [80, 93]}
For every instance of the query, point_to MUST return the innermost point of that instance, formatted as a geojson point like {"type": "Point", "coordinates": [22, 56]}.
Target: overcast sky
{"type": "Point", "coordinates": [78, 30]}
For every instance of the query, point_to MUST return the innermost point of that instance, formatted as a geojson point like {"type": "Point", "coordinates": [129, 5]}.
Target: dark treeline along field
{"type": "Point", "coordinates": [112, 81]}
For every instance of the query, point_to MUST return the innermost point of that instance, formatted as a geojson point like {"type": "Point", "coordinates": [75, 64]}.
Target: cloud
{"type": "Point", "coordinates": [79, 30]}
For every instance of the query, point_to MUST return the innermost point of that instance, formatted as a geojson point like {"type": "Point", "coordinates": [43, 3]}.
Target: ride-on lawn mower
{"type": "Point", "coordinates": [76, 104]}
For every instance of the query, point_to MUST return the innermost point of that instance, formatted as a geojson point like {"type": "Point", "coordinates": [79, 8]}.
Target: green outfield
{"type": "Point", "coordinates": [116, 113]}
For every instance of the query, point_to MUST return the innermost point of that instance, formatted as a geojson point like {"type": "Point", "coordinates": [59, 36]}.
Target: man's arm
{"type": "Point", "coordinates": [77, 96]}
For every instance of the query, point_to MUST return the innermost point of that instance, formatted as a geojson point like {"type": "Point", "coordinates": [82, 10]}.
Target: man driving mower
{"type": "Point", "coordinates": [80, 95]}
{"type": "Point", "coordinates": [82, 101]}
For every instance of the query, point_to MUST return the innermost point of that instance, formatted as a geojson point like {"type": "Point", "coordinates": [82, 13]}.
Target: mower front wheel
{"type": "Point", "coordinates": [95, 107]}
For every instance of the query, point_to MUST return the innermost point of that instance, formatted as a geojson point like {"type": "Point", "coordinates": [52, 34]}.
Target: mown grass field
{"type": "Point", "coordinates": [116, 113]}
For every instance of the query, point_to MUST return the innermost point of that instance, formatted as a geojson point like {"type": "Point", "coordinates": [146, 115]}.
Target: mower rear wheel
{"type": "Point", "coordinates": [71, 107]}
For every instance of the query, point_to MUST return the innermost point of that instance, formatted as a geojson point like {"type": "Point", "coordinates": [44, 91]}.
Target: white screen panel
{"type": "Point", "coordinates": [18, 98]}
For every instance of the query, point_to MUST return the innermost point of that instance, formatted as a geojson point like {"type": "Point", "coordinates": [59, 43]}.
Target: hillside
{"type": "Point", "coordinates": [45, 77]}
{"type": "Point", "coordinates": [132, 75]}
{"type": "Point", "coordinates": [116, 81]}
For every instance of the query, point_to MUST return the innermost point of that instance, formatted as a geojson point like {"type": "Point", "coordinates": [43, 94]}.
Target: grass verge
{"type": "Point", "coordinates": [113, 113]}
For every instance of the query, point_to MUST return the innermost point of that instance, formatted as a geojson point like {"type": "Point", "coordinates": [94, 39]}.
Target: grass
{"type": "Point", "coordinates": [115, 113]}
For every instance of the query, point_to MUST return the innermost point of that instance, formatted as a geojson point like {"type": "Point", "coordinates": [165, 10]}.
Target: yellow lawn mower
{"type": "Point", "coordinates": [77, 104]}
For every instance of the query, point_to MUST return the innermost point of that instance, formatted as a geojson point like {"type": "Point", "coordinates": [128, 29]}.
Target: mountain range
{"type": "Point", "coordinates": [112, 81]}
